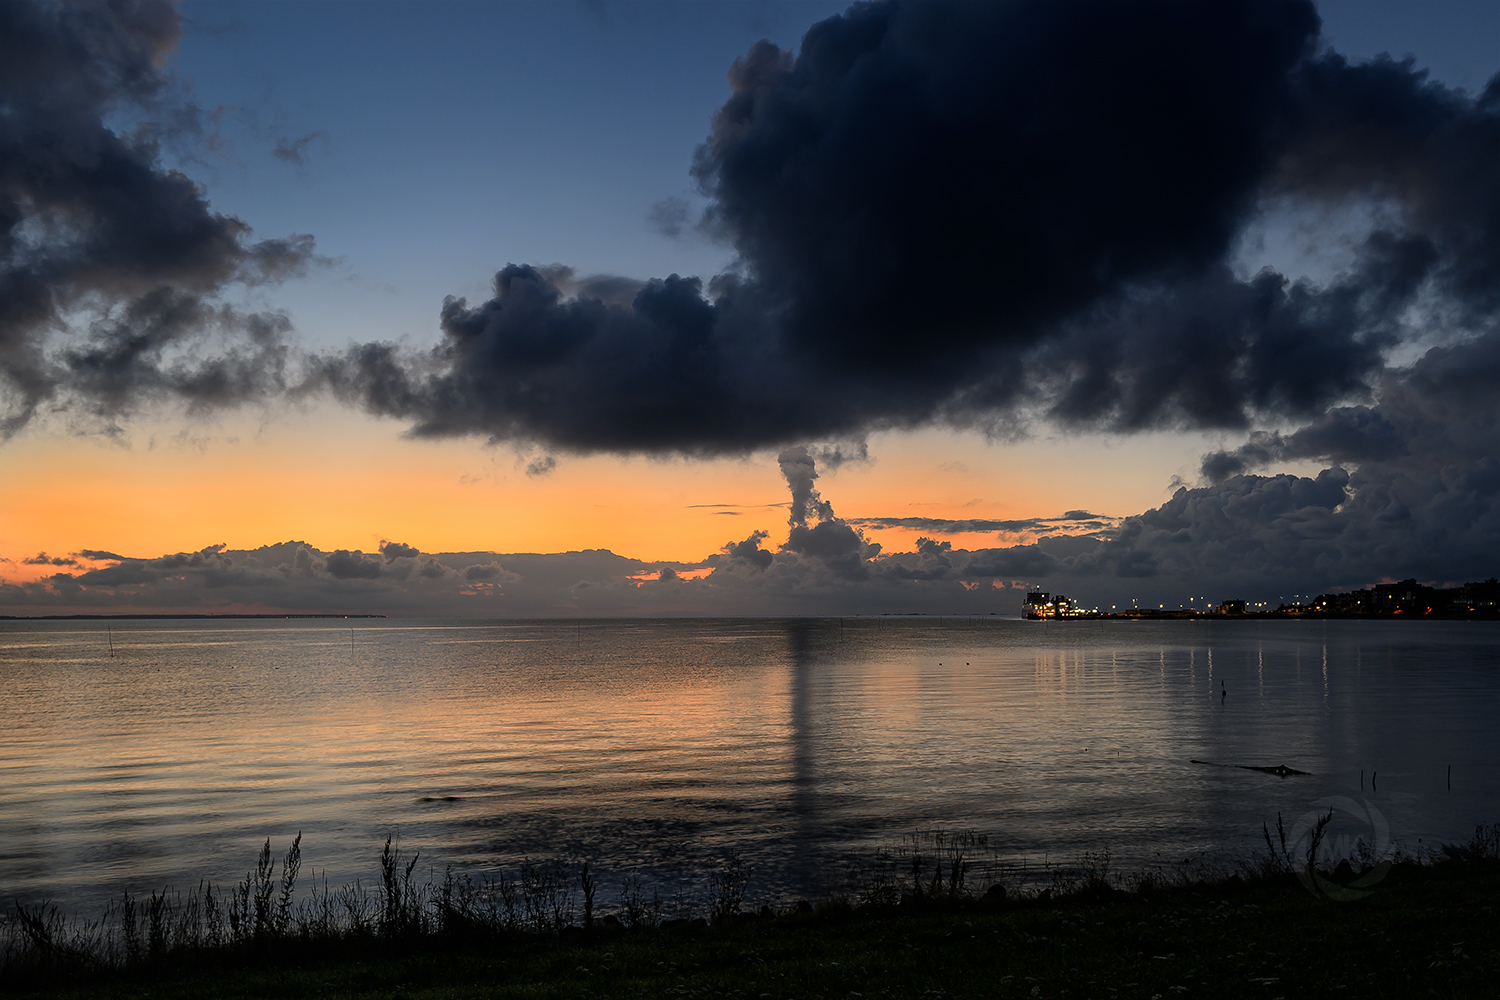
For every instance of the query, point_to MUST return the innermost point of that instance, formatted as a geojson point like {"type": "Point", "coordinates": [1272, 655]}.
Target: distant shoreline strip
{"type": "Point", "coordinates": [79, 618]}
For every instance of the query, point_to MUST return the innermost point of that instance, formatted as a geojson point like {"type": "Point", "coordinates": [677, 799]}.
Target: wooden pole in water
{"type": "Point", "coordinates": [110, 633]}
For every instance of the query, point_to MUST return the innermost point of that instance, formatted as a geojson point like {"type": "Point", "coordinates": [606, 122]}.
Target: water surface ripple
{"type": "Point", "coordinates": [656, 745]}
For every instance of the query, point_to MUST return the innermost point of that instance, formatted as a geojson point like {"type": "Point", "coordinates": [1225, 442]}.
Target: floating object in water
{"type": "Point", "coordinates": [1280, 770]}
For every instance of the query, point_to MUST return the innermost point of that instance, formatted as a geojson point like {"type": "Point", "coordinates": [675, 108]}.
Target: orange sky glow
{"type": "Point", "coordinates": [337, 480]}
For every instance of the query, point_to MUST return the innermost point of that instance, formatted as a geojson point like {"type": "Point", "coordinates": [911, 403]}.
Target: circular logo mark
{"type": "Point", "coordinates": [1333, 838]}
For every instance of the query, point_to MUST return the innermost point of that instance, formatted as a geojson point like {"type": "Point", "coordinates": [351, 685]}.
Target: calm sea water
{"type": "Point", "coordinates": [655, 746]}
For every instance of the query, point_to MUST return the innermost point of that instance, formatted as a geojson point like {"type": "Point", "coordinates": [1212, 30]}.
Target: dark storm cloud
{"type": "Point", "coordinates": [579, 373]}
{"type": "Point", "coordinates": [1382, 129]}
{"type": "Point", "coordinates": [815, 531]}
{"type": "Point", "coordinates": [1413, 491]}
{"type": "Point", "coordinates": [918, 169]}
{"type": "Point", "coordinates": [972, 214]}
{"type": "Point", "coordinates": [99, 555]}
{"type": "Point", "coordinates": [1441, 411]}
{"type": "Point", "coordinates": [980, 214]}
{"type": "Point", "coordinates": [111, 264]}
{"type": "Point", "coordinates": [800, 470]}
{"type": "Point", "coordinates": [131, 572]}
{"type": "Point", "coordinates": [1212, 352]}
{"type": "Point", "coordinates": [345, 565]}
{"type": "Point", "coordinates": [42, 559]}
{"type": "Point", "coordinates": [749, 550]}
{"type": "Point", "coordinates": [398, 550]}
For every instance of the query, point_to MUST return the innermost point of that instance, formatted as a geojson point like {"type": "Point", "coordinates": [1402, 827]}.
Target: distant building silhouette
{"type": "Point", "coordinates": [1407, 599]}
{"type": "Point", "coordinates": [1412, 598]}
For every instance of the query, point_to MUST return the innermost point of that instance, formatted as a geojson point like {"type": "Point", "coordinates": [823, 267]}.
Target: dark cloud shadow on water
{"type": "Point", "coordinates": [806, 825]}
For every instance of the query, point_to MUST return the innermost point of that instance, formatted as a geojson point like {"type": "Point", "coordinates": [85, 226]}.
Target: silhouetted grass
{"type": "Point", "coordinates": [269, 921]}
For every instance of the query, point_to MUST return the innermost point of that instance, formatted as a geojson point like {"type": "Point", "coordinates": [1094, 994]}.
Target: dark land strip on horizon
{"type": "Point", "coordinates": [129, 617]}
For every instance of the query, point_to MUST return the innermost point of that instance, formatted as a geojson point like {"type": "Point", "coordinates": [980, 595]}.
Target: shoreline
{"type": "Point", "coordinates": [1256, 932]}
{"type": "Point", "coordinates": [1184, 614]}
{"type": "Point", "coordinates": [132, 617]}
{"type": "Point", "coordinates": [1144, 614]}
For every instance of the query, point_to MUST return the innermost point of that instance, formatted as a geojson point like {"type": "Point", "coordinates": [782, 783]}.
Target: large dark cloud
{"type": "Point", "coordinates": [111, 265]}
{"type": "Point", "coordinates": [1423, 496]}
{"type": "Point", "coordinates": [1441, 412]}
{"type": "Point", "coordinates": [975, 213]}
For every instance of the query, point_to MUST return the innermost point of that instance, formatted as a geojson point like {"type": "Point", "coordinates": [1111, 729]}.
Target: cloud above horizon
{"type": "Point", "coordinates": [973, 215]}
{"type": "Point", "coordinates": [113, 267]}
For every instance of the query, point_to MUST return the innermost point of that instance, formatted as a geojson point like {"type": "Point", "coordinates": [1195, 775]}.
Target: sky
{"type": "Point", "coordinates": [768, 308]}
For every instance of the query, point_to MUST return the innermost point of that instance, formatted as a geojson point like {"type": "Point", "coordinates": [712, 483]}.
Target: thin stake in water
{"type": "Point", "coordinates": [109, 633]}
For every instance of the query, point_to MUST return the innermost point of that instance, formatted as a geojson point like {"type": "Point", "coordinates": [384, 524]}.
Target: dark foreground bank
{"type": "Point", "coordinates": [1420, 931]}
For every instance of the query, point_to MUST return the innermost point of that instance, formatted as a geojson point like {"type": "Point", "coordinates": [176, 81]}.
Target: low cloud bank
{"type": "Point", "coordinates": [1432, 515]}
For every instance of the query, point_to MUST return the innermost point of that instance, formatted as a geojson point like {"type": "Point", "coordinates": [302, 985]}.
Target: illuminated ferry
{"type": "Point", "coordinates": [1041, 606]}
